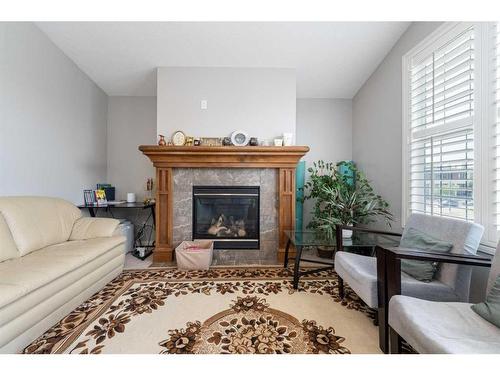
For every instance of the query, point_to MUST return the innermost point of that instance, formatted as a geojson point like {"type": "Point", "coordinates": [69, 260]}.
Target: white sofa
{"type": "Point", "coordinates": [51, 260]}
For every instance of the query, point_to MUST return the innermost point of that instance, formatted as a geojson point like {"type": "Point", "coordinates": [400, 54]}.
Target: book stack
{"type": "Point", "coordinates": [100, 196]}
{"type": "Point", "coordinates": [109, 189]}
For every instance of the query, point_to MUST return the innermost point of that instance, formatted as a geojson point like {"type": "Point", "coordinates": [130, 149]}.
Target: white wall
{"type": "Point", "coordinates": [377, 121]}
{"type": "Point", "coordinates": [326, 126]}
{"type": "Point", "coordinates": [53, 119]}
{"type": "Point", "coordinates": [131, 122]}
{"type": "Point", "coordinates": [260, 101]}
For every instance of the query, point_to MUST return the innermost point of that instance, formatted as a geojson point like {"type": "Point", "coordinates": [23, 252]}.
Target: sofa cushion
{"type": "Point", "coordinates": [37, 222]}
{"type": "Point", "coordinates": [21, 276]}
{"type": "Point", "coordinates": [8, 248]}
{"type": "Point", "coordinates": [93, 227]}
{"type": "Point", "coordinates": [27, 318]}
{"type": "Point", "coordinates": [442, 327]}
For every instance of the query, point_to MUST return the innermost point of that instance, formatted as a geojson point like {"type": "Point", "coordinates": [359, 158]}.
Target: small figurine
{"type": "Point", "coordinates": [162, 141]}
{"type": "Point", "coordinates": [226, 141]}
{"type": "Point", "coordinates": [197, 142]}
{"type": "Point", "coordinates": [254, 141]}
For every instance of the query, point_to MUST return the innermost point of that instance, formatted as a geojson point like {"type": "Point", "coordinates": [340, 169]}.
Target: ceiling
{"type": "Point", "coordinates": [332, 59]}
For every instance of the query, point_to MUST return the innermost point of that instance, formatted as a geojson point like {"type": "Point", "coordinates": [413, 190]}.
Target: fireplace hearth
{"type": "Point", "coordinates": [228, 215]}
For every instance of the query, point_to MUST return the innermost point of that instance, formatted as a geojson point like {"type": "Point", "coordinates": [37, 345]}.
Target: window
{"type": "Point", "coordinates": [450, 114]}
{"type": "Point", "coordinates": [495, 127]}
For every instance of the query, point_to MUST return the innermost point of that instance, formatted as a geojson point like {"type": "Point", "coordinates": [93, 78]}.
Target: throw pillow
{"type": "Point", "coordinates": [422, 270]}
{"type": "Point", "coordinates": [490, 309]}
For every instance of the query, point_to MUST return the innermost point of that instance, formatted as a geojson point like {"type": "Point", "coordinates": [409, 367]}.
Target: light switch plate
{"type": "Point", "coordinates": [204, 104]}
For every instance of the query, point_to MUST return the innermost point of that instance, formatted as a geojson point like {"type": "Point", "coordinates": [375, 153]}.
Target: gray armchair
{"type": "Point", "coordinates": [452, 281]}
{"type": "Point", "coordinates": [443, 327]}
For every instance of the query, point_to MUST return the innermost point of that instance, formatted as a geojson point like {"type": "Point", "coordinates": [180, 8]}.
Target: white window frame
{"type": "Point", "coordinates": [483, 162]}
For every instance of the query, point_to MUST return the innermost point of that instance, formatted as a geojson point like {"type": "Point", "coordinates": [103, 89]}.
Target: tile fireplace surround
{"type": "Point", "coordinates": [179, 168]}
{"type": "Point", "coordinates": [186, 178]}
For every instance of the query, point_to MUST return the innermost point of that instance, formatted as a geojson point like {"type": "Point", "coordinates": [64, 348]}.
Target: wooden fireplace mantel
{"type": "Point", "coordinates": [165, 158]}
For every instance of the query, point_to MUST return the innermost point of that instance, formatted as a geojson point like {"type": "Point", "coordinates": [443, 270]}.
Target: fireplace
{"type": "Point", "coordinates": [228, 215]}
{"type": "Point", "coordinates": [171, 161]}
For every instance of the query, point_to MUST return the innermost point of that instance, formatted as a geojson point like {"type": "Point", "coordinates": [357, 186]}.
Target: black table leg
{"type": "Point", "coordinates": [296, 273]}
{"type": "Point", "coordinates": [388, 285]}
{"type": "Point", "coordinates": [393, 288]}
{"type": "Point", "coordinates": [154, 215]}
{"type": "Point", "coordinates": [91, 211]}
{"type": "Point", "coordinates": [341, 287]}
{"type": "Point", "coordinates": [395, 341]}
{"type": "Point", "coordinates": [382, 312]}
{"type": "Point", "coordinates": [338, 237]}
{"type": "Point", "coordinates": [287, 248]}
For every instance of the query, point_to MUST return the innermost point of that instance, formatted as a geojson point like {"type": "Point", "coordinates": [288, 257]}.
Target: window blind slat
{"type": "Point", "coordinates": [448, 85]}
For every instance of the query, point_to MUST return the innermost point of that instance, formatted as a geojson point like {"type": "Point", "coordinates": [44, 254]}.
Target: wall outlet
{"type": "Point", "coordinates": [204, 104]}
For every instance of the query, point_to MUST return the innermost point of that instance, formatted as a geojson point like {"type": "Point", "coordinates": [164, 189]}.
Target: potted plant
{"type": "Point", "coordinates": [341, 198]}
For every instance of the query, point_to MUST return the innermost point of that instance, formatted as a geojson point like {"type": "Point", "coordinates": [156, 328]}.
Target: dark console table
{"type": "Point", "coordinates": [93, 209]}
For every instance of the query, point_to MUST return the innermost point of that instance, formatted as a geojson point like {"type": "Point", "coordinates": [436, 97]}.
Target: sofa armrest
{"type": "Point", "coordinates": [91, 227]}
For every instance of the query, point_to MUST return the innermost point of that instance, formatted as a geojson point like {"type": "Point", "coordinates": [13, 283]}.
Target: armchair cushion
{"type": "Point", "coordinates": [442, 327]}
{"type": "Point", "coordinates": [490, 309]}
{"type": "Point", "coordinates": [86, 228]}
{"type": "Point", "coordinates": [465, 237]}
{"type": "Point", "coordinates": [360, 272]}
{"type": "Point", "coordinates": [422, 270]}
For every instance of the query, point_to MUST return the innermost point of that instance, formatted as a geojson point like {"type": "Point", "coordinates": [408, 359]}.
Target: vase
{"type": "Point", "coordinates": [162, 141]}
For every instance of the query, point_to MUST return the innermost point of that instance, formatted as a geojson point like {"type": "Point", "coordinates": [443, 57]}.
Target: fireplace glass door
{"type": "Point", "coordinates": [227, 215]}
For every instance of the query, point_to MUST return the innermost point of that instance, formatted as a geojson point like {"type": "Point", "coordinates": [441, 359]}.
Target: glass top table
{"type": "Point", "coordinates": [362, 242]}
{"type": "Point", "coordinates": [358, 239]}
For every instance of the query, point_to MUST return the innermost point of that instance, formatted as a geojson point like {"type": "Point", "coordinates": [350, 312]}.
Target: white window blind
{"type": "Point", "coordinates": [441, 134]}
{"type": "Point", "coordinates": [441, 173]}
{"type": "Point", "coordinates": [495, 120]}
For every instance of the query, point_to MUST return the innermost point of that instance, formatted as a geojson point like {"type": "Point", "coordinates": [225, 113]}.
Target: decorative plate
{"type": "Point", "coordinates": [240, 138]}
{"type": "Point", "coordinates": [178, 138]}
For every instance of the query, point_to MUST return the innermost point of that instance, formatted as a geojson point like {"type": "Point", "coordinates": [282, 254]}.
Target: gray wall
{"type": "Point", "coordinates": [326, 126]}
{"type": "Point", "coordinates": [260, 101]}
{"type": "Point", "coordinates": [377, 121]}
{"type": "Point", "coordinates": [131, 122]}
{"type": "Point", "coordinates": [53, 119]}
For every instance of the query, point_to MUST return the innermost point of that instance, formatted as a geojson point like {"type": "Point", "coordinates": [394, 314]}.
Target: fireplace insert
{"type": "Point", "coordinates": [228, 215]}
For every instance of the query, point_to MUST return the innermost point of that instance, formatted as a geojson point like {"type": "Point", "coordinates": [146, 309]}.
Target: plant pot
{"type": "Point", "coordinates": [325, 251]}
{"type": "Point", "coordinates": [346, 233]}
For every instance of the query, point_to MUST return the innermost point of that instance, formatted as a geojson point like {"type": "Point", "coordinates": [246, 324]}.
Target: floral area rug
{"type": "Point", "coordinates": [219, 311]}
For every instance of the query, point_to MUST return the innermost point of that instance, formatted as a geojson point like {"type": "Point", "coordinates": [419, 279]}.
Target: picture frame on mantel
{"type": "Point", "coordinates": [211, 141]}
